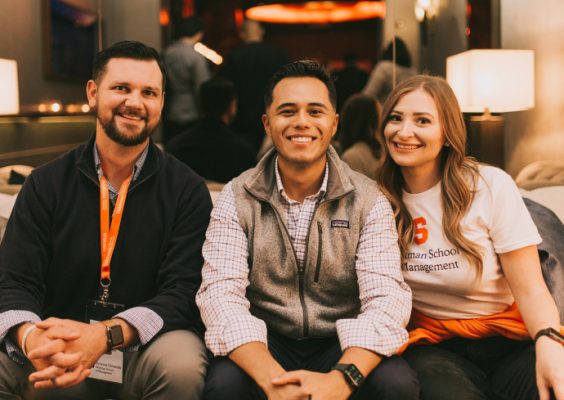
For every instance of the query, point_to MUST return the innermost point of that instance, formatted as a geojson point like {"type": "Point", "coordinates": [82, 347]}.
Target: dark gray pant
{"type": "Point", "coordinates": [392, 379]}
{"type": "Point", "coordinates": [494, 368]}
{"type": "Point", "coordinates": [172, 367]}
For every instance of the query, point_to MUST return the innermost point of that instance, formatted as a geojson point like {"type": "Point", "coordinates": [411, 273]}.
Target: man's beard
{"type": "Point", "coordinates": [118, 136]}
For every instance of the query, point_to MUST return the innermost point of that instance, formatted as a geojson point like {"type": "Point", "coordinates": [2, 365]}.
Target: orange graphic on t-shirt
{"type": "Point", "coordinates": [421, 232]}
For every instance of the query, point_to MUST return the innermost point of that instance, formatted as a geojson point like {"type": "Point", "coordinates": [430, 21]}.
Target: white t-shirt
{"type": "Point", "coordinates": [442, 279]}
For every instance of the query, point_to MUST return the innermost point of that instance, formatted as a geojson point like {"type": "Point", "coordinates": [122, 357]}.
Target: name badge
{"type": "Point", "coordinates": [109, 368]}
{"type": "Point", "coordinates": [97, 310]}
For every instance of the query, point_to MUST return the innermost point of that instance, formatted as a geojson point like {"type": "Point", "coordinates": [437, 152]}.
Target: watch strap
{"type": "Point", "coordinates": [352, 374]}
{"type": "Point", "coordinates": [552, 334]}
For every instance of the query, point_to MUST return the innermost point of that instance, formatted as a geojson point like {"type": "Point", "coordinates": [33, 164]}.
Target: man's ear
{"type": "Point", "coordinates": [266, 124]}
{"type": "Point", "coordinates": [335, 125]}
{"type": "Point", "coordinates": [91, 93]}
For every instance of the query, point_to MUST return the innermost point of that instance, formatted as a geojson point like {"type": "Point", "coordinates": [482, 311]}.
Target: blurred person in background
{"type": "Point", "coordinates": [349, 80]}
{"type": "Point", "coordinates": [381, 81]}
{"type": "Point", "coordinates": [249, 67]}
{"type": "Point", "coordinates": [356, 137]}
{"type": "Point", "coordinates": [210, 147]}
{"type": "Point", "coordinates": [186, 69]}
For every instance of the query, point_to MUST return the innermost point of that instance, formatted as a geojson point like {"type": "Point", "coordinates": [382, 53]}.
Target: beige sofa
{"type": "Point", "coordinates": [543, 182]}
{"type": "Point", "coordinates": [8, 192]}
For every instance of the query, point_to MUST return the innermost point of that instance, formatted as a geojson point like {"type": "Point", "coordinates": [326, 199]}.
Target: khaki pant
{"type": "Point", "coordinates": [172, 367]}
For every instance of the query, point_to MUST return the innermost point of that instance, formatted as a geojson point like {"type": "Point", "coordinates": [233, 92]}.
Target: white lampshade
{"type": "Point", "coordinates": [499, 80]}
{"type": "Point", "coordinates": [9, 95]}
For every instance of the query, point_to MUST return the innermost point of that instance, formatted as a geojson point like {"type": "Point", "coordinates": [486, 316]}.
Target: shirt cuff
{"type": "Point", "coordinates": [364, 333]}
{"type": "Point", "coordinates": [235, 332]}
{"type": "Point", "coordinates": [8, 320]}
{"type": "Point", "coordinates": [147, 323]}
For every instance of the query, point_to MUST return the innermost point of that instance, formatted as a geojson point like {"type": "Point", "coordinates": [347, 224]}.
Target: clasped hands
{"type": "Point", "coordinates": [308, 385]}
{"type": "Point", "coordinates": [63, 351]}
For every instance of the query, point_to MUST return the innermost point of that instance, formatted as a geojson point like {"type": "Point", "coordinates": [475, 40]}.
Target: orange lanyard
{"type": "Point", "coordinates": [108, 234]}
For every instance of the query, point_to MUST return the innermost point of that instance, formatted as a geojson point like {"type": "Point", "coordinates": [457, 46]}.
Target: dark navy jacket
{"type": "Point", "coordinates": [50, 254]}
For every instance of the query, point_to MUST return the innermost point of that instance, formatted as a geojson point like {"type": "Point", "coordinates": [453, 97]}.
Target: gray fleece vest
{"type": "Point", "coordinates": [303, 300]}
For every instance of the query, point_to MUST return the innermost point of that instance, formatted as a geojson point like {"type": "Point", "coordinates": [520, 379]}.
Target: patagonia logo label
{"type": "Point", "coordinates": [339, 223]}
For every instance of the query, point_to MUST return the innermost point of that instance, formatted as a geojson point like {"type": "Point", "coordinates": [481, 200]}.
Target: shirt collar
{"type": "Point", "coordinates": [136, 168]}
{"type": "Point", "coordinates": [318, 195]}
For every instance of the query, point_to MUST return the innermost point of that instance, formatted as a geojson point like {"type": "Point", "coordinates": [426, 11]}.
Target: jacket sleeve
{"type": "Point", "coordinates": [24, 252]}
{"type": "Point", "coordinates": [180, 272]}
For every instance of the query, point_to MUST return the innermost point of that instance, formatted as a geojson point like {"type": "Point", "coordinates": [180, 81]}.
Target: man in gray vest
{"type": "Point", "coordinates": [302, 293]}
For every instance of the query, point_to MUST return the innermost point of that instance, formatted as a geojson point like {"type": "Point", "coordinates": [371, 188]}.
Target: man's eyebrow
{"type": "Point", "coordinates": [321, 105]}
{"type": "Point", "coordinates": [283, 105]}
{"type": "Point", "coordinates": [119, 83]}
{"type": "Point", "coordinates": [153, 88]}
{"type": "Point", "coordinates": [125, 83]}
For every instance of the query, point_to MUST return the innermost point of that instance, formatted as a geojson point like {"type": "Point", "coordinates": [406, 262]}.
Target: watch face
{"type": "Point", "coordinates": [116, 335]}
{"type": "Point", "coordinates": [354, 374]}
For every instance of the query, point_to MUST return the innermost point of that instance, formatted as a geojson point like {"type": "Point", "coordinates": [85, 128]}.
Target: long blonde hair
{"type": "Point", "coordinates": [459, 173]}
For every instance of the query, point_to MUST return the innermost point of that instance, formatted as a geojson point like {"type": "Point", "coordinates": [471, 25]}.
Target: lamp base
{"type": "Point", "coordinates": [485, 139]}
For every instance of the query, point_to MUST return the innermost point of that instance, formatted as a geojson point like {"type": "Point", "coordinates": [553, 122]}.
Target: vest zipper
{"type": "Point", "coordinates": [301, 269]}
{"type": "Point", "coordinates": [301, 278]}
{"type": "Point", "coordinates": [301, 272]}
{"type": "Point", "coordinates": [319, 252]}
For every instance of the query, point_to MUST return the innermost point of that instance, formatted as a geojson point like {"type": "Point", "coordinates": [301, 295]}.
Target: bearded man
{"type": "Point", "coordinates": [101, 259]}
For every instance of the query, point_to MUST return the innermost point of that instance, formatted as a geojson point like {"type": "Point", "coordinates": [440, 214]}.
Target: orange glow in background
{"type": "Point", "coordinates": [317, 12]}
{"type": "Point", "coordinates": [164, 17]}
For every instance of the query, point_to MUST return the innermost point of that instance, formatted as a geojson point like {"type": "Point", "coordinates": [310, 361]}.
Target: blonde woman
{"type": "Point", "coordinates": [469, 253]}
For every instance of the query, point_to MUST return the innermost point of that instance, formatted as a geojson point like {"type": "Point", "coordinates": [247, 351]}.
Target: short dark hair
{"type": "Point", "coordinates": [125, 49]}
{"type": "Point", "coordinates": [299, 69]}
{"type": "Point", "coordinates": [216, 96]}
{"type": "Point", "coordinates": [189, 26]}
{"type": "Point", "coordinates": [359, 122]}
{"type": "Point", "coordinates": [402, 54]}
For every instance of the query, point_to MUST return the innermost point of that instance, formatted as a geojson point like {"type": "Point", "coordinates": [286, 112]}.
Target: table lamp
{"type": "Point", "coordinates": [491, 81]}
{"type": "Point", "coordinates": [9, 95]}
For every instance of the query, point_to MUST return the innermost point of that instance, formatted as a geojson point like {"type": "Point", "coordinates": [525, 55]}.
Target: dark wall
{"type": "Point", "coordinates": [22, 39]}
{"type": "Point", "coordinates": [329, 42]}
{"type": "Point", "coordinates": [23, 30]}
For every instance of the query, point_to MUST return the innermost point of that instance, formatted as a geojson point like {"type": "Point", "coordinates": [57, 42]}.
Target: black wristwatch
{"type": "Point", "coordinates": [352, 375]}
{"type": "Point", "coordinates": [115, 336]}
{"type": "Point", "coordinates": [551, 333]}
